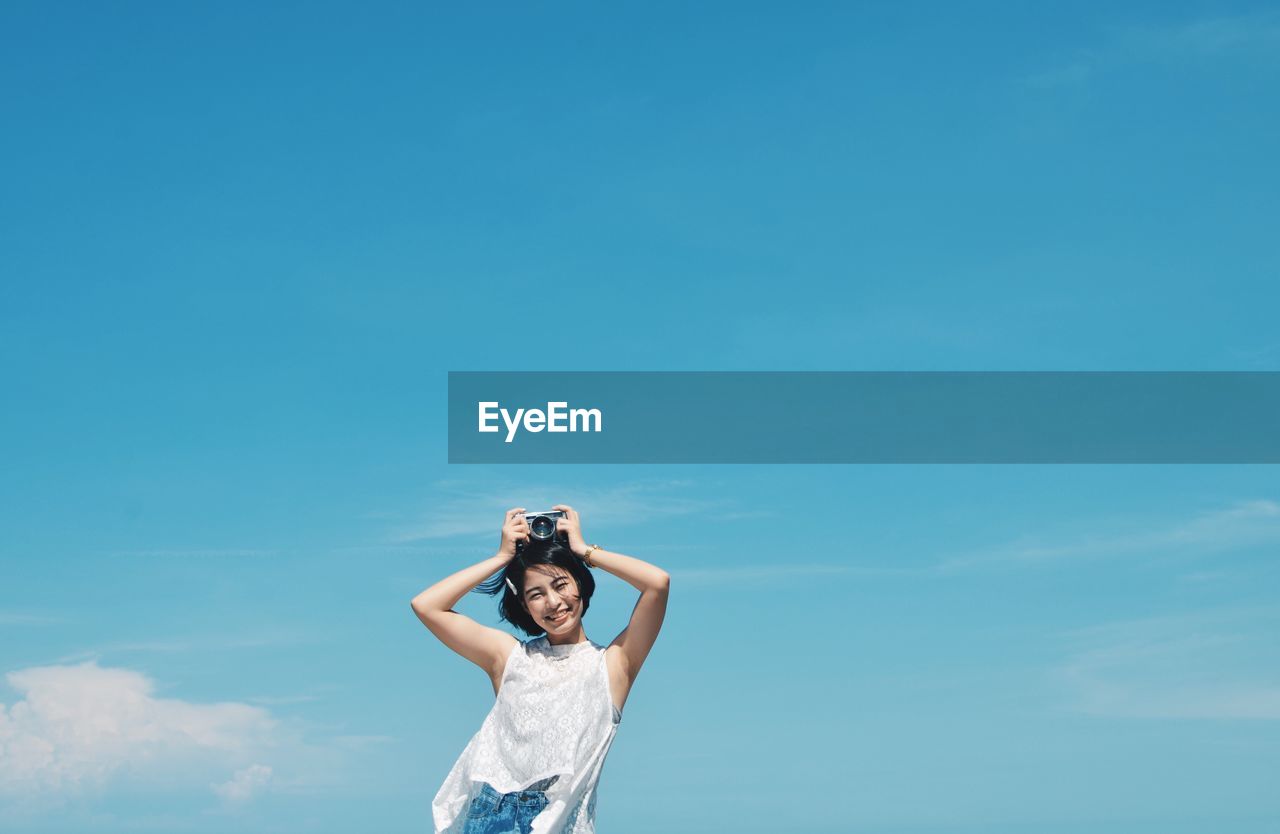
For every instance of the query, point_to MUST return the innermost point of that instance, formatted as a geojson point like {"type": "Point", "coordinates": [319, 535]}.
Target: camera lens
{"type": "Point", "coordinates": [542, 527]}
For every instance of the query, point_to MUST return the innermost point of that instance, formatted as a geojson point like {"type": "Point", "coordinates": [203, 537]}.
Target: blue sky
{"type": "Point", "coordinates": [244, 245]}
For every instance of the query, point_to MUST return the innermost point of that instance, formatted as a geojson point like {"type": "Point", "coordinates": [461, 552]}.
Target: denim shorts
{"type": "Point", "coordinates": [506, 813]}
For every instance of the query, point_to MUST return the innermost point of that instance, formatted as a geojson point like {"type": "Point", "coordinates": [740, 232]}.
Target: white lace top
{"type": "Point", "coordinates": [554, 716]}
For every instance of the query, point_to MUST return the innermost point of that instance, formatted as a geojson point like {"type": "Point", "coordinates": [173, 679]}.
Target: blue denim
{"type": "Point", "coordinates": [506, 813]}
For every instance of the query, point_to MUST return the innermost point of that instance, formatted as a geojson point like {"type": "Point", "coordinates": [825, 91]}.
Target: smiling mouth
{"type": "Point", "coordinates": [563, 615]}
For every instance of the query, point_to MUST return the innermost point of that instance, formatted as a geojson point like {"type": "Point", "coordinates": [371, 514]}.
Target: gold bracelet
{"type": "Point", "coordinates": [586, 557]}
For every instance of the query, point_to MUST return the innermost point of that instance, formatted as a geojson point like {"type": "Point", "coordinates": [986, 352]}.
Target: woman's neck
{"type": "Point", "coordinates": [578, 635]}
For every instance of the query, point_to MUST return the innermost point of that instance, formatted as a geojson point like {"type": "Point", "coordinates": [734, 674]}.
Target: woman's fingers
{"type": "Point", "coordinates": [515, 527]}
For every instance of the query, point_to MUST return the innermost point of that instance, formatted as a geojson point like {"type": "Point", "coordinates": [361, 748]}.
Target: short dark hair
{"type": "Point", "coordinates": [532, 554]}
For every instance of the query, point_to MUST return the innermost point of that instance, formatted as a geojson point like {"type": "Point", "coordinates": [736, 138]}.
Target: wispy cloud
{"type": "Point", "coordinates": [1262, 357]}
{"type": "Point", "coordinates": [277, 700]}
{"type": "Point", "coordinates": [460, 508]}
{"type": "Point", "coordinates": [196, 553]}
{"type": "Point", "coordinates": [1243, 524]}
{"type": "Point", "coordinates": [1247, 35]}
{"type": "Point", "coordinates": [1207, 665]}
{"type": "Point", "coordinates": [362, 741]}
{"type": "Point", "coordinates": [738, 575]}
{"type": "Point", "coordinates": [264, 638]}
{"type": "Point", "coordinates": [29, 618]}
{"type": "Point", "coordinates": [244, 784]}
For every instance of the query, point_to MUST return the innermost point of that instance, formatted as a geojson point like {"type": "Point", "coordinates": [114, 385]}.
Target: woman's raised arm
{"type": "Point", "coordinates": [653, 583]}
{"type": "Point", "coordinates": [486, 647]}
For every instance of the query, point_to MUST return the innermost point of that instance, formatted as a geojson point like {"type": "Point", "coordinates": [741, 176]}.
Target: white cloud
{"type": "Point", "coordinates": [244, 785]}
{"type": "Point", "coordinates": [76, 728]}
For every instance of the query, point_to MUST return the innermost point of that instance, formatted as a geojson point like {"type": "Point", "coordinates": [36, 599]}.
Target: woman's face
{"type": "Point", "coordinates": [551, 597]}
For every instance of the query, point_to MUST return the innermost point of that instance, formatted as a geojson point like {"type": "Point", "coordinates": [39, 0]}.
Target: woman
{"type": "Point", "coordinates": [534, 764]}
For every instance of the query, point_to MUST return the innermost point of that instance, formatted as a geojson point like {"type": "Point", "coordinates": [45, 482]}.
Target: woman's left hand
{"type": "Point", "coordinates": [571, 527]}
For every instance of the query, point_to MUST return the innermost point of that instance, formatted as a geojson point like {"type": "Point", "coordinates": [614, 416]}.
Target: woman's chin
{"type": "Point", "coordinates": [564, 626]}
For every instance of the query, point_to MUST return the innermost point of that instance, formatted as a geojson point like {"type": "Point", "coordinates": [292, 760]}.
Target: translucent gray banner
{"type": "Point", "coordinates": [864, 417]}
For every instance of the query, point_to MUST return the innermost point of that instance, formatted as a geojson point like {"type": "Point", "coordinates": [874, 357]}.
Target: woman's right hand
{"type": "Point", "coordinates": [514, 529]}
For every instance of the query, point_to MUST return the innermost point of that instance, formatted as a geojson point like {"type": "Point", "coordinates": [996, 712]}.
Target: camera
{"type": "Point", "coordinates": [542, 526]}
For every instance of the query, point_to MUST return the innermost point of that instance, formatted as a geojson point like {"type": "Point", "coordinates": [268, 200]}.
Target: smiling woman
{"type": "Point", "coordinates": [534, 764]}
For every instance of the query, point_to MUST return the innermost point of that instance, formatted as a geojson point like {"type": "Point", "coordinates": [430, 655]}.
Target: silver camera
{"type": "Point", "coordinates": [542, 525]}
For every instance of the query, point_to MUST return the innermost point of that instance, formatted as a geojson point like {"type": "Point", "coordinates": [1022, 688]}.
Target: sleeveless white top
{"type": "Point", "coordinates": [554, 716]}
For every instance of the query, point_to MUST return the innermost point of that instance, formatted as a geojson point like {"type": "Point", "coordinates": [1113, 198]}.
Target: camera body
{"type": "Point", "coordinates": [542, 526]}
